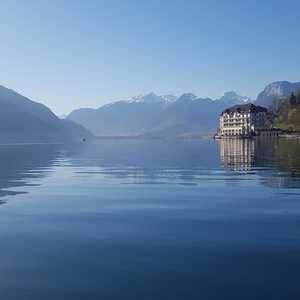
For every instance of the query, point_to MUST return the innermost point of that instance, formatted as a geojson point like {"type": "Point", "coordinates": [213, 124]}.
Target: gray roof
{"type": "Point", "coordinates": [244, 108]}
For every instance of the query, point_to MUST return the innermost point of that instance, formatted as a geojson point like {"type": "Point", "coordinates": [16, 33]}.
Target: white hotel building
{"type": "Point", "coordinates": [244, 120]}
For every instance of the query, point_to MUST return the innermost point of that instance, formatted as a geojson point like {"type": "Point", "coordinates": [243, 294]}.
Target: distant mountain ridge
{"type": "Point", "coordinates": [270, 96]}
{"type": "Point", "coordinates": [153, 98]}
{"type": "Point", "coordinates": [23, 120]}
{"type": "Point", "coordinates": [232, 96]}
{"type": "Point", "coordinates": [153, 115]}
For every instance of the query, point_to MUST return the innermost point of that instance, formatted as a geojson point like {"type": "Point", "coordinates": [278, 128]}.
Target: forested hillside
{"type": "Point", "coordinates": [287, 116]}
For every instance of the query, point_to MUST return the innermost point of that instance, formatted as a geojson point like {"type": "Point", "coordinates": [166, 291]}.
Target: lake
{"type": "Point", "coordinates": [151, 219]}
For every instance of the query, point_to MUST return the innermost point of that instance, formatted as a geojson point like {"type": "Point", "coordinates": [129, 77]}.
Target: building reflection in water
{"type": "Point", "coordinates": [237, 154]}
{"type": "Point", "coordinates": [276, 161]}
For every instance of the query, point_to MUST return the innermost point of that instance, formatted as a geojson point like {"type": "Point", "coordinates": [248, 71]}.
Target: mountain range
{"type": "Point", "coordinates": [23, 120]}
{"type": "Point", "coordinates": [153, 115]}
{"type": "Point", "coordinates": [160, 116]}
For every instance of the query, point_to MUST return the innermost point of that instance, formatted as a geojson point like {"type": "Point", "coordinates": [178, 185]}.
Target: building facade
{"type": "Point", "coordinates": [244, 120]}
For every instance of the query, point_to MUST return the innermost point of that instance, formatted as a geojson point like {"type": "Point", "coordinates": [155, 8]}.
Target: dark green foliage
{"type": "Point", "coordinates": [287, 115]}
{"type": "Point", "coordinates": [293, 100]}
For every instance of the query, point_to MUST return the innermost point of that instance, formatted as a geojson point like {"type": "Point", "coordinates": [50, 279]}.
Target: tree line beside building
{"type": "Point", "coordinates": [287, 114]}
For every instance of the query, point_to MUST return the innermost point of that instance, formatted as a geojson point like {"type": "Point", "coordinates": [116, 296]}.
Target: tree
{"type": "Point", "coordinates": [293, 100]}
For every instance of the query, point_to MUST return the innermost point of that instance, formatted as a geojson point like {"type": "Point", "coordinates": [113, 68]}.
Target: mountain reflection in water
{"type": "Point", "coordinates": [186, 162]}
{"type": "Point", "coordinates": [22, 164]}
{"type": "Point", "coordinates": [161, 219]}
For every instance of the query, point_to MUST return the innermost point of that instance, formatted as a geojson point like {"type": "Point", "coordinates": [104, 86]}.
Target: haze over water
{"type": "Point", "coordinates": [150, 219]}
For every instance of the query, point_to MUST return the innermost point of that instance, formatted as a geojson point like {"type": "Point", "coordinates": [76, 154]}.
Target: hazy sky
{"type": "Point", "coordinates": [70, 54]}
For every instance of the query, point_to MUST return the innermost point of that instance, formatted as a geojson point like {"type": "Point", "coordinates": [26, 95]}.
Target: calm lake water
{"type": "Point", "coordinates": [150, 219]}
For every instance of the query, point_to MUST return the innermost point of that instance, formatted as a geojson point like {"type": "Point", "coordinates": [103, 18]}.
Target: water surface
{"type": "Point", "coordinates": [150, 219]}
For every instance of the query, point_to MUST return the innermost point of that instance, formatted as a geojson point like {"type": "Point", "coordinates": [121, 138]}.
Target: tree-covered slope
{"type": "Point", "coordinates": [287, 116]}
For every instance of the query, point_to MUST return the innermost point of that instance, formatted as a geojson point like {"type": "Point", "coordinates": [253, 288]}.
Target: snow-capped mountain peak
{"type": "Point", "coordinates": [152, 98]}
{"type": "Point", "coordinates": [232, 97]}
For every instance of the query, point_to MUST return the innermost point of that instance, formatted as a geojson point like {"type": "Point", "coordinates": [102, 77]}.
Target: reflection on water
{"type": "Point", "coordinates": [237, 154]}
{"type": "Point", "coordinates": [148, 161]}
{"type": "Point", "coordinates": [275, 161]}
{"type": "Point", "coordinates": [22, 164]}
{"type": "Point", "coordinates": [138, 219]}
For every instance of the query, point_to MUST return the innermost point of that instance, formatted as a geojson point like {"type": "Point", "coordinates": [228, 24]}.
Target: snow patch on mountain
{"type": "Point", "coordinates": [152, 98]}
{"type": "Point", "coordinates": [232, 98]}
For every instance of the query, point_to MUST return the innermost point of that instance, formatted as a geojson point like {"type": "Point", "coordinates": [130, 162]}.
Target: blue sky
{"type": "Point", "coordinates": [70, 54]}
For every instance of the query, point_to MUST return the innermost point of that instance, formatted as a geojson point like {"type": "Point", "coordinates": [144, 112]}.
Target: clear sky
{"type": "Point", "coordinates": [71, 54]}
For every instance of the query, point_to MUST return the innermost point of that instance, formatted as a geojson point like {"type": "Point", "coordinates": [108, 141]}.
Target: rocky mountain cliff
{"type": "Point", "coordinates": [270, 96]}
